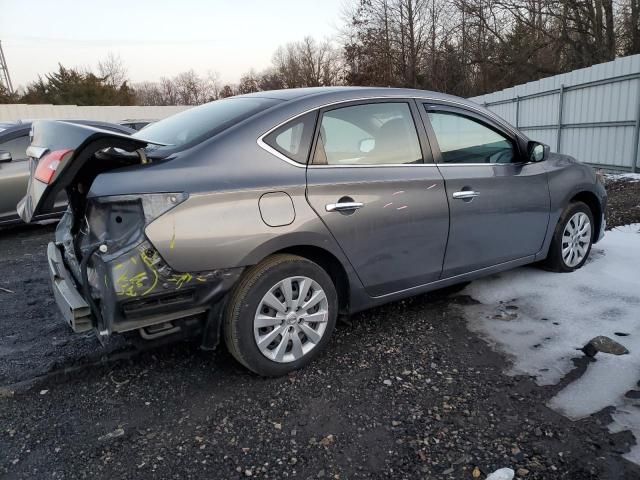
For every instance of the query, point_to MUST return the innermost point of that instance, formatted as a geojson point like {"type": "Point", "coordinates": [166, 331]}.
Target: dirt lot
{"type": "Point", "coordinates": [404, 391]}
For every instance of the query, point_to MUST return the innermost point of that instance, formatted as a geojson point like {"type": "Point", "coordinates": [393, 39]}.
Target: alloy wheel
{"type": "Point", "coordinates": [576, 239]}
{"type": "Point", "coordinates": [291, 319]}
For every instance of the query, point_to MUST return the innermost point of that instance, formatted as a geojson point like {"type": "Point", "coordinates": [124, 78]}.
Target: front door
{"type": "Point", "coordinates": [14, 175]}
{"type": "Point", "coordinates": [499, 202]}
{"type": "Point", "coordinates": [372, 182]}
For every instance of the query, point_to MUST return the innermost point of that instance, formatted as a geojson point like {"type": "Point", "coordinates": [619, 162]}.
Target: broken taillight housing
{"type": "Point", "coordinates": [120, 220]}
{"type": "Point", "coordinates": [47, 166]}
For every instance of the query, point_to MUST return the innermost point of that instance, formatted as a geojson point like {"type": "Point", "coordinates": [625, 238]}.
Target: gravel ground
{"type": "Point", "coordinates": [624, 203]}
{"type": "Point", "coordinates": [403, 391]}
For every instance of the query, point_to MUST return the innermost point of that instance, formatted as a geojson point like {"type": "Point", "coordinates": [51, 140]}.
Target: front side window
{"type": "Point", "coordinates": [372, 134]}
{"type": "Point", "coordinates": [17, 147]}
{"type": "Point", "coordinates": [463, 140]}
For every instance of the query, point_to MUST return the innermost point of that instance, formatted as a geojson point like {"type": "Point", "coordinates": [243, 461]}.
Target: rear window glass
{"type": "Point", "coordinates": [199, 123]}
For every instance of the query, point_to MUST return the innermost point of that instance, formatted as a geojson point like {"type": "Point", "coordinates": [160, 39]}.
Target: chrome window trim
{"type": "Point", "coordinates": [262, 144]}
{"type": "Point", "coordinates": [273, 151]}
{"type": "Point", "coordinates": [36, 152]}
{"type": "Point", "coordinates": [480, 164]}
{"type": "Point", "coordinates": [373, 165]}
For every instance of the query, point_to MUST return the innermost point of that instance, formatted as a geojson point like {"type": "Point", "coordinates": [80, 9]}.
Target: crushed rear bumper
{"type": "Point", "coordinates": [72, 305]}
{"type": "Point", "coordinates": [132, 295]}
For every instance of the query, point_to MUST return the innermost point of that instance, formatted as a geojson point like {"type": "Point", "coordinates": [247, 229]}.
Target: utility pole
{"type": "Point", "coordinates": [5, 78]}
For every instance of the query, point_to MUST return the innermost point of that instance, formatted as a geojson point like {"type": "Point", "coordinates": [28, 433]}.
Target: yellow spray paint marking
{"type": "Point", "coordinates": [172, 243]}
{"type": "Point", "coordinates": [147, 261]}
{"type": "Point", "coordinates": [181, 280]}
{"type": "Point", "coordinates": [130, 286]}
{"type": "Point", "coordinates": [150, 278]}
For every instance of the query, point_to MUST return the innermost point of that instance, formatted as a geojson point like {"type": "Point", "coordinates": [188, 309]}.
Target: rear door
{"type": "Point", "coordinates": [499, 202]}
{"type": "Point", "coordinates": [372, 181]}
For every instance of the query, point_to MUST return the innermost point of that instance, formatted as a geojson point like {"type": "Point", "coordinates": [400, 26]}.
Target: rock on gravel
{"type": "Point", "coordinates": [605, 345]}
{"type": "Point", "coordinates": [501, 474]}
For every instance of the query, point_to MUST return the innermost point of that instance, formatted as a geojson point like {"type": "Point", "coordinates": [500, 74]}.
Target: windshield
{"type": "Point", "coordinates": [198, 123]}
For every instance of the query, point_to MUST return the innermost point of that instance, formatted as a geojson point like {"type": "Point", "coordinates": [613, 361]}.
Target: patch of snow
{"type": "Point", "coordinates": [541, 320]}
{"type": "Point", "coordinates": [634, 177]}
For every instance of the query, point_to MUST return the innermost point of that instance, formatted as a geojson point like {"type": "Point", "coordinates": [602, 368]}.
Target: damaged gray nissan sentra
{"type": "Point", "coordinates": [261, 217]}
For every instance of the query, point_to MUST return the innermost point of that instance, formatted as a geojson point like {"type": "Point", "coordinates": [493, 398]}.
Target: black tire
{"type": "Point", "coordinates": [245, 299]}
{"type": "Point", "coordinates": [554, 261]}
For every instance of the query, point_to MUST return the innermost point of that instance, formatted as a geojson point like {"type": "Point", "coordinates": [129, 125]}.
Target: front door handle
{"type": "Point", "coordinates": [465, 194]}
{"type": "Point", "coordinates": [343, 206]}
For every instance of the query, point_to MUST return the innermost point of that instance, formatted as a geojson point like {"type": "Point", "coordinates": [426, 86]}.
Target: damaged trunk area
{"type": "Point", "coordinates": [106, 273]}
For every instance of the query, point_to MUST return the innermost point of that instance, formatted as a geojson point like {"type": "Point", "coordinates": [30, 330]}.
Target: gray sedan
{"type": "Point", "coordinates": [259, 218]}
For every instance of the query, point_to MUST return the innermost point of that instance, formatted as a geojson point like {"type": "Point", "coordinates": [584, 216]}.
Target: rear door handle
{"type": "Point", "coordinates": [343, 206]}
{"type": "Point", "coordinates": [465, 194]}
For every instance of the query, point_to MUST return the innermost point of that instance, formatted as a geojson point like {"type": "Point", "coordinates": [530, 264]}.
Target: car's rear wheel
{"type": "Point", "coordinates": [281, 314]}
{"type": "Point", "coordinates": [572, 239]}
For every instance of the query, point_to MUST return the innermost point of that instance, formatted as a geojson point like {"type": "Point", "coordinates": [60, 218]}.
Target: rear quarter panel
{"type": "Point", "coordinates": [220, 230]}
{"type": "Point", "coordinates": [220, 225]}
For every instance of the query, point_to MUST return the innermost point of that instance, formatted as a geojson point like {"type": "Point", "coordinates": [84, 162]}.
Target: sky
{"type": "Point", "coordinates": [157, 38]}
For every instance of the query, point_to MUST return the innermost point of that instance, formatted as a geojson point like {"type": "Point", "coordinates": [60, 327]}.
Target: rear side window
{"type": "Point", "coordinates": [198, 123]}
{"type": "Point", "coordinates": [293, 139]}
{"type": "Point", "coordinates": [372, 134]}
{"type": "Point", "coordinates": [463, 140]}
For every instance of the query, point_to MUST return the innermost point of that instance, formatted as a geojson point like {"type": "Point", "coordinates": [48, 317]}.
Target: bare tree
{"type": "Point", "coordinates": [148, 93]}
{"type": "Point", "coordinates": [113, 70]}
{"type": "Point", "coordinates": [249, 82]}
{"type": "Point", "coordinates": [192, 89]}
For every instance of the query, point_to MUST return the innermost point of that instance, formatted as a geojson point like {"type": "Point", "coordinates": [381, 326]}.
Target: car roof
{"type": "Point", "coordinates": [339, 93]}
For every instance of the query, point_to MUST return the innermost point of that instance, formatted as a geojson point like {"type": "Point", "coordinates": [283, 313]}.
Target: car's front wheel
{"type": "Point", "coordinates": [281, 314]}
{"type": "Point", "coordinates": [572, 239]}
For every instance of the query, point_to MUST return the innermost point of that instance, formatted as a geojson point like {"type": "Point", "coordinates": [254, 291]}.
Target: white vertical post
{"type": "Point", "coordinates": [560, 104]}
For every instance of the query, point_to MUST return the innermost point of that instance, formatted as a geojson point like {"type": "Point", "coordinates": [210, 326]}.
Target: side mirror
{"type": "Point", "coordinates": [537, 152]}
{"type": "Point", "coordinates": [5, 156]}
{"type": "Point", "coordinates": [367, 144]}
